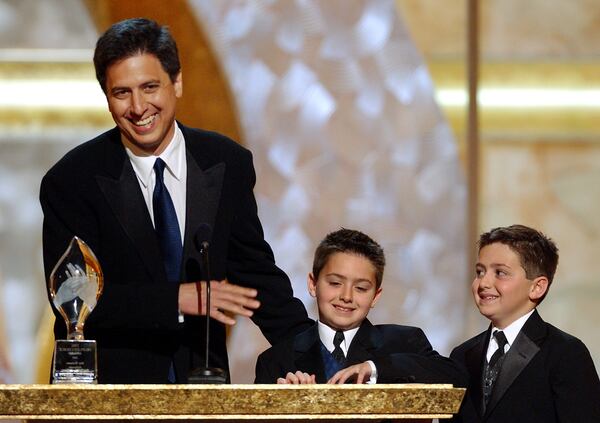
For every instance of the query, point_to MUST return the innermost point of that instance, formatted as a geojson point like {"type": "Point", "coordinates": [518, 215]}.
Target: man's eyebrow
{"type": "Point", "coordinates": [118, 88]}
{"type": "Point", "coordinates": [124, 87]}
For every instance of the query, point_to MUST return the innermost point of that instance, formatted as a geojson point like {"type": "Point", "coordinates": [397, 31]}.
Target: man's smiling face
{"type": "Point", "coordinates": [142, 98]}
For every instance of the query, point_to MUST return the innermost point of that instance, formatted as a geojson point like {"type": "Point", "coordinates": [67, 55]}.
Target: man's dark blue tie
{"type": "Point", "coordinates": [166, 225]}
{"type": "Point", "coordinates": [167, 230]}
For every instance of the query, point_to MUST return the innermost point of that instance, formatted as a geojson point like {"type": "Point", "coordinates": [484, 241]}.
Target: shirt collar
{"type": "Point", "coordinates": [326, 334]}
{"type": "Point", "coordinates": [173, 156]}
{"type": "Point", "coordinates": [512, 330]}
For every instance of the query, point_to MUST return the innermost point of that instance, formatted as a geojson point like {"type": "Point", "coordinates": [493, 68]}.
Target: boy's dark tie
{"type": "Point", "coordinates": [501, 341]}
{"type": "Point", "coordinates": [166, 225]}
{"type": "Point", "coordinates": [492, 369]}
{"type": "Point", "coordinates": [337, 352]}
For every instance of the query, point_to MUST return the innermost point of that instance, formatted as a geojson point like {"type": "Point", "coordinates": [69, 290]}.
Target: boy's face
{"type": "Point", "coordinates": [141, 98]}
{"type": "Point", "coordinates": [501, 289]}
{"type": "Point", "coordinates": [345, 290]}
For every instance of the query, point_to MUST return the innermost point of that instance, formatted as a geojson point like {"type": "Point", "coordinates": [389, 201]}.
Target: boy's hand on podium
{"type": "Point", "coordinates": [358, 373]}
{"type": "Point", "coordinates": [298, 378]}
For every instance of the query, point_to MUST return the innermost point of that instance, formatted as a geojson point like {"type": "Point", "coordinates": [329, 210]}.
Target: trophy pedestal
{"type": "Point", "coordinates": [75, 362]}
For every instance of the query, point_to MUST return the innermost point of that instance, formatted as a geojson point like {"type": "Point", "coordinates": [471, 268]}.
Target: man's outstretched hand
{"type": "Point", "coordinates": [225, 298]}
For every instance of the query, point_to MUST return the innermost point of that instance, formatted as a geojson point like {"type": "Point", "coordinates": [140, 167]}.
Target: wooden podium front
{"type": "Point", "coordinates": [410, 402]}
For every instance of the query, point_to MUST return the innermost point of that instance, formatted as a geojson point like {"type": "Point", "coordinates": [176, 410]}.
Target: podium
{"type": "Point", "coordinates": [401, 402]}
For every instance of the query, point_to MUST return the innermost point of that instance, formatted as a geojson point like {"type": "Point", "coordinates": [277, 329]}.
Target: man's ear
{"type": "Point", "coordinates": [312, 285]}
{"type": "Point", "coordinates": [178, 84]}
{"type": "Point", "coordinates": [538, 289]}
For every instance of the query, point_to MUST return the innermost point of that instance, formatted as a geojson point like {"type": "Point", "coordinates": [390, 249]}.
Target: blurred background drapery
{"type": "Point", "coordinates": [355, 112]}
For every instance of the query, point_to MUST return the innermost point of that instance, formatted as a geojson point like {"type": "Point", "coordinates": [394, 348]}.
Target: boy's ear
{"type": "Point", "coordinates": [312, 285]}
{"type": "Point", "coordinates": [376, 298]}
{"type": "Point", "coordinates": [538, 288]}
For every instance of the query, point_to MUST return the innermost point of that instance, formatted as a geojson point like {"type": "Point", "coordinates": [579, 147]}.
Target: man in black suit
{"type": "Point", "coordinates": [528, 370]}
{"type": "Point", "coordinates": [117, 191]}
{"type": "Point", "coordinates": [343, 345]}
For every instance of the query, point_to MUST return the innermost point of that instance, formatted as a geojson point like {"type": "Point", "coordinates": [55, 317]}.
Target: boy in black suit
{"type": "Point", "coordinates": [523, 369]}
{"type": "Point", "coordinates": [343, 345]}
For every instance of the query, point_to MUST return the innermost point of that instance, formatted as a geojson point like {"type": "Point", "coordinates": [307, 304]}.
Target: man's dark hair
{"type": "Point", "coordinates": [537, 253]}
{"type": "Point", "coordinates": [353, 242]}
{"type": "Point", "coordinates": [135, 36]}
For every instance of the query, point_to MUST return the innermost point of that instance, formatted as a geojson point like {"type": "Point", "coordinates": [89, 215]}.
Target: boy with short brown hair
{"type": "Point", "coordinates": [343, 346]}
{"type": "Point", "coordinates": [521, 368]}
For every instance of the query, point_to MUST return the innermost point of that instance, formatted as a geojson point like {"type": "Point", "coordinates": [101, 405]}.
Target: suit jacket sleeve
{"type": "Point", "coordinates": [419, 363]}
{"type": "Point", "coordinates": [251, 263]}
{"type": "Point", "coordinates": [264, 369]}
{"type": "Point", "coordinates": [575, 384]}
{"type": "Point", "coordinates": [466, 406]}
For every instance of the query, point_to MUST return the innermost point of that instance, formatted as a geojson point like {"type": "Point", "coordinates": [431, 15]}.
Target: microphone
{"type": "Point", "coordinates": [206, 374]}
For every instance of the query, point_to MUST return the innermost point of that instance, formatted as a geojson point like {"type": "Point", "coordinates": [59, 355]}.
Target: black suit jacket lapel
{"type": "Point", "coordinates": [475, 361]}
{"type": "Point", "coordinates": [122, 192]}
{"type": "Point", "coordinates": [307, 353]}
{"type": "Point", "coordinates": [367, 340]}
{"type": "Point", "coordinates": [518, 357]}
{"type": "Point", "coordinates": [203, 193]}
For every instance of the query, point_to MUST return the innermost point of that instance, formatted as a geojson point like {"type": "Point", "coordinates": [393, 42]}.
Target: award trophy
{"type": "Point", "coordinates": [75, 285]}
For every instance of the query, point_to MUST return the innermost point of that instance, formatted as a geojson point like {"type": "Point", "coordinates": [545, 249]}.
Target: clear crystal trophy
{"type": "Point", "coordinates": [75, 286]}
